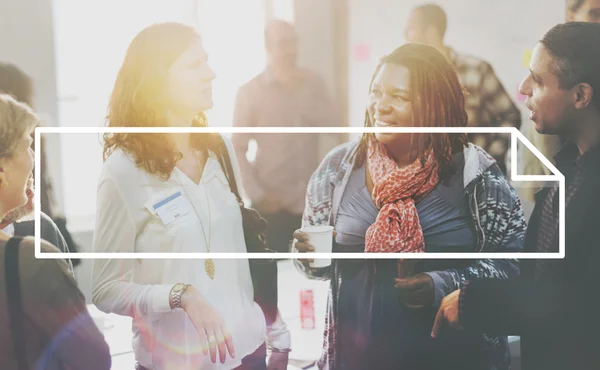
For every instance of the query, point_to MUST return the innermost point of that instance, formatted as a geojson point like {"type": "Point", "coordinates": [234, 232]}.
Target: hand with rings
{"type": "Point", "coordinates": [213, 333]}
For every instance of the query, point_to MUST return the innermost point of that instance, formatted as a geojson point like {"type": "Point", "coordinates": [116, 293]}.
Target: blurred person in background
{"type": "Point", "coordinates": [583, 11]}
{"type": "Point", "coordinates": [19, 222]}
{"type": "Point", "coordinates": [410, 193]}
{"type": "Point", "coordinates": [168, 193]}
{"type": "Point", "coordinates": [283, 95]}
{"type": "Point", "coordinates": [488, 104]}
{"type": "Point", "coordinates": [44, 322]}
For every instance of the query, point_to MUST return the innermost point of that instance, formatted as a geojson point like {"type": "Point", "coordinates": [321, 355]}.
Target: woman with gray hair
{"type": "Point", "coordinates": [44, 322]}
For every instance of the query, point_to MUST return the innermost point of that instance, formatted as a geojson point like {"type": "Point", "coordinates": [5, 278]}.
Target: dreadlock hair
{"type": "Point", "coordinates": [437, 99]}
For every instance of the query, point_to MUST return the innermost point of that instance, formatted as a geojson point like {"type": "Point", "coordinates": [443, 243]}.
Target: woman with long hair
{"type": "Point", "coordinates": [398, 192]}
{"type": "Point", "coordinates": [168, 193]}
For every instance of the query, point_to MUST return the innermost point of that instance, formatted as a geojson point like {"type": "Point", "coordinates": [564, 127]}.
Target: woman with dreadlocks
{"type": "Point", "coordinates": [410, 193]}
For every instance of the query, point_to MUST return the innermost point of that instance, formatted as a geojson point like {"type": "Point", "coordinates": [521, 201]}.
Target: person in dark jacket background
{"type": "Point", "coordinates": [554, 304]}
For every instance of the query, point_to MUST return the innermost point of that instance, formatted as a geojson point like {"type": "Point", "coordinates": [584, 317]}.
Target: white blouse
{"type": "Point", "coordinates": [126, 221]}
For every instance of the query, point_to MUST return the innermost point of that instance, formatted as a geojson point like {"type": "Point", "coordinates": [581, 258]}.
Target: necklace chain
{"type": "Point", "coordinates": [209, 265]}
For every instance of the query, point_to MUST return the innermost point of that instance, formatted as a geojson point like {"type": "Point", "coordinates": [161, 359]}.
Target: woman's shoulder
{"type": "Point", "coordinates": [119, 161]}
{"type": "Point", "coordinates": [480, 166]}
{"type": "Point", "coordinates": [27, 244]}
{"type": "Point", "coordinates": [336, 161]}
{"type": "Point", "coordinates": [46, 278]}
{"type": "Point", "coordinates": [484, 178]}
{"type": "Point", "coordinates": [30, 265]}
{"type": "Point", "coordinates": [340, 153]}
{"type": "Point", "coordinates": [477, 164]}
{"type": "Point", "coordinates": [120, 168]}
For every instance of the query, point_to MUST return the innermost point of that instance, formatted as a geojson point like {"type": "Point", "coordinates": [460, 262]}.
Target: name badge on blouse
{"type": "Point", "coordinates": [173, 208]}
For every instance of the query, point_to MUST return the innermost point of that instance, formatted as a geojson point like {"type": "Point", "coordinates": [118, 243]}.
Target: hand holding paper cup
{"type": "Point", "coordinates": [315, 239]}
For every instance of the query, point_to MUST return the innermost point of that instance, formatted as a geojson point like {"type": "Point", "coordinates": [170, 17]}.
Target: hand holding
{"type": "Point", "coordinates": [416, 291]}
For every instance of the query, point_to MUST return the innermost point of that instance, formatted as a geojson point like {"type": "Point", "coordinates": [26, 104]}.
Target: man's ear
{"type": "Point", "coordinates": [584, 95]}
{"type": "Point", "coordinates": [3, 179]}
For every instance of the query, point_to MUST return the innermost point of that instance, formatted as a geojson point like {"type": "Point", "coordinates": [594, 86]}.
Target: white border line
{"type": "Point", "coordinates": [275, 130]}
{"type": "Point", "coordinates": [37, 199]}
{"type": "Point", "coordinates": [516, 135]}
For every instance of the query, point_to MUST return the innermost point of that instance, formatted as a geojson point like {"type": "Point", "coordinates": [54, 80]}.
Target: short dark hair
{"type": "Point", "coordinates": [574, 5]}
{"type": "Point", "coordinates": [16, 83]}
{"type": "Point", "coordinates": [433, 15]}
{"type": "Point", "coordinates": [576, 59]}
{"type": "Point", "coordinates": [274, 22]}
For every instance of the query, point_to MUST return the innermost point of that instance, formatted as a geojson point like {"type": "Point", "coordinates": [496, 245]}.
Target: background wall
{"type": "Point", "coordinates": [322, 31]}
{"type": "Point", "coordinates": [27, 40]}
{"type": "Point", "coordinates": [497, 31]}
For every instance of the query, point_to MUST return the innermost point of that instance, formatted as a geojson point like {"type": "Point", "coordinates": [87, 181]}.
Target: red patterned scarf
{"type": "Point", "coordinates": [395, 191]}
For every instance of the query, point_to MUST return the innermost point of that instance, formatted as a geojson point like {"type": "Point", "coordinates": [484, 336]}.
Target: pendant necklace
{"type": "Point", "coordinates": [209, 264]}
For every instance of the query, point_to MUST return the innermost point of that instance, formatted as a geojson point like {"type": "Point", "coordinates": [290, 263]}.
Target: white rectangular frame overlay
{"type": "Point", "coordinates": [516, 135]}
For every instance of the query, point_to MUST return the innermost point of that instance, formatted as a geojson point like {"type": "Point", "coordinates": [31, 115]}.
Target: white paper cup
{"type": "Point", "coordinates": [321, 238]}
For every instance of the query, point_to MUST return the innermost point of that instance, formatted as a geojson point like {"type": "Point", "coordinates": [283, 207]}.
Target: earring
{"type": "Point", "coordinates": [3, 180]}
{"type": "Point", "coordinates": [200, 120]}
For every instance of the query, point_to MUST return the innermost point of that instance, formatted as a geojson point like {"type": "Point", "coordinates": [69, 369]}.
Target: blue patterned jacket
{"type": "Point", "coordinates": [497, 216]}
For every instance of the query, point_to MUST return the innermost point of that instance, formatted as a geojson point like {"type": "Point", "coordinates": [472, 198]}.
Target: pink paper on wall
{"type": "Point", "coordinates": [362, 52]}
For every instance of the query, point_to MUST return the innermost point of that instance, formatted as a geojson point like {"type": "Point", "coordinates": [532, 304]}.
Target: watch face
{"type": "Point", "coordinates": [178, 287]}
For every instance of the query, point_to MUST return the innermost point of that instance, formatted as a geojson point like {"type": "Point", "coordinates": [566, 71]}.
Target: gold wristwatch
{"type": "Point", "coordinates": [176, 293]}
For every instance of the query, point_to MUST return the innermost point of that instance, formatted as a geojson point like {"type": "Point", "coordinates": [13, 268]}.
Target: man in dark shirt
{"type": "Point", "coordinates": [554, 304]}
